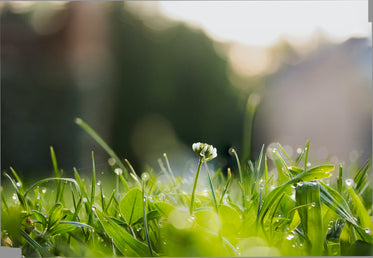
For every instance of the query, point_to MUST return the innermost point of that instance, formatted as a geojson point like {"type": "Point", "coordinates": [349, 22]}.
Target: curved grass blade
{"type": "Point", "coordinates": [241, 178]}
{"type": "Point", "coordinates": [51, 179]}
{"type": "Point", "coordinates": [315, 173]}
{"type": "Point", "coordinates": [103, 144]}
{"type": "Point", "coordinates": [41, 250]}
{"type": "Point", "coordinates": [21, 197]}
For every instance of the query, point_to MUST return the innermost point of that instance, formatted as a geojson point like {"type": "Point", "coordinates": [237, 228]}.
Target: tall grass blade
{"type": "Point", "coordinates": [212, 193]}
{"type": "Point", "coordinates": [102, 143]}
{"type": "Point", "coordinates": [306, 150]}
{"type": "Point", "coordinates": [241, 178]}
{"type": "Point", "coordinates": [144, 200]}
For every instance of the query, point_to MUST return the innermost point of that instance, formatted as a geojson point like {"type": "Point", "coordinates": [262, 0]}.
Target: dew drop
{"type": "Point", "coordinates": [14, 196]}
{"type": "Point", "coordinates": [300, 244]}
{"type": "Point", "coordinates": [367, 230]}
{"type": "Point", "coordinates": [120, 215]}
{"type": "Point", "coordinates": [238, 248]}
{"type": "Point", "coordinates": [111, 161]}
{"type": "Point", "coordinates": [308, 164]}
{"type": "Point", "coordinates": [99, 183]}
{"type": "Point", "coordinates": [290, 237]}
{"type": "Point", "coordinates": [102, 172]}
{"type": "Point", "coordinates": [274, 150]}
{"type": "Point", "coordinates": [314, 183]}
{"type": "Point", "coordinates": [118, 171]}
{"type": "Point", "coordinates": [261, 187]}
{"type": "Point", "coordinates": [18, 184]}
{"type": "Point", "coordinates": [299, 150]}
{"type": "Point", "coordinates": [293, 186]}
{"type": "Point", "coordinates": [44, 190]}
{"type": "Point", "coordinates": [93, 208]}
{"type": "Point", "coordinates": [138, 230]}
{"type": "Point", "coordinates": [144, 199]}
{"type": "Point", "coordinates": [313, 204]}
{"type": "Point", "coordinates": [293, 246]}
{"type": "Point", "coordinates": [300, 184]}
{"type": "Point", "coordinates": [145, 176]}
{"type": "Point", "coordinates": [84, 200]}
{"type": "Point", "coordinates": [349, 182]}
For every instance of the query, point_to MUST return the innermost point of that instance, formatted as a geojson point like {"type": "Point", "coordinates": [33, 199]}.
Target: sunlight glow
{"type": "Point", "coordinates": [263, 23]}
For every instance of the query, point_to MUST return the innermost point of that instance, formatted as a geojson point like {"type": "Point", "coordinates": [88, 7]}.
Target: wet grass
{"type": "Point", "coordinates": [270, 206]}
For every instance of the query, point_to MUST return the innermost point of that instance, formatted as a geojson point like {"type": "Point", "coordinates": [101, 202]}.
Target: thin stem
{"type": "Point", "coordinates": [195, 184]}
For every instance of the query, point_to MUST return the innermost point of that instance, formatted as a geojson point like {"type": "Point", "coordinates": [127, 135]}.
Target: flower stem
{"type": "Point", "coordinates": [195, 184]}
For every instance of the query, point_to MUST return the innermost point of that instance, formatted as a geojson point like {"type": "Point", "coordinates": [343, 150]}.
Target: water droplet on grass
{"type": "Point", "coordinates": [293, 186]}
{"type": "Point", "coordinates": [290, 237]}
{"type": "Point", "coordinates": [308, 164]}
{"type": "Point", "coordinates": [44, 190]}
{"type": "Point", "coordinates": [18, 184]}
{"type": "Point", "coordinates": [118, 171]}
{"type": "Point", "coordinates": [145, 176]}
{"type": "Point", "coordinates": [300, 184]}
{"type": "Point", "coordinates": [293, 246]}
{"type": "Point", "coordinates": [99, 183]}
{"type": "Point", "coordinates": [111, 161]}
{"type": "Point", "coordinates": [349, 182]}
{"type": "Point", "coordinates": [144, 199]}
{"type": "Point", "coordinates": [84, 200]}
{"type": "Point", "coordinates": [93, 208]}
{"type": "Point", "coordinates": [14, 196]}
{"type": "Point", "coordinates": [314, 183]}
{"type": "Point", "coordinates": [313, 204]}
{"type": "Point", "coordinates": [367, 230]}
{"type": "Point", "coordinates": [138, 230]}
{"type": "Point", "coordinates": [299, 150]}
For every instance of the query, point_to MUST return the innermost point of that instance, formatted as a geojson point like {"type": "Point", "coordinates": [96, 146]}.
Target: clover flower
{"type": "Point", "coordinates": [208, 152]}
{"type": "Point", "coordinates": [205, 152]}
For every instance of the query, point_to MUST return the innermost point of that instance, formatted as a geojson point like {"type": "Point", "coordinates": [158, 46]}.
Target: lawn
{"type": "Point", "coordinates": [271, 206]}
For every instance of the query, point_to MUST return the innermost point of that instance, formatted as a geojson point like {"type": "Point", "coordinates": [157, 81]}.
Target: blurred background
{"type": "Point", "coordinates": [155, 77]}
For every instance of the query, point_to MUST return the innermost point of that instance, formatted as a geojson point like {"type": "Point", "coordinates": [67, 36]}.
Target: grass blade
{"type": "Point", "coordinates": [311, 218]}
{"type": "Point", "coordinates": [241, 178]}
{"type": "Point", "coordinates": [102, 143]}
{"type": "Point", "coordinates": [144, 201]}
{"type": "Point", "coordinates": [212, 193]}
{"type": "Point", "coordinates": [41, 250]}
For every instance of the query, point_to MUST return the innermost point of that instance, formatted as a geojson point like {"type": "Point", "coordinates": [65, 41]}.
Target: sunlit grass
{"type": "Point", "coordinates": [280, 208]}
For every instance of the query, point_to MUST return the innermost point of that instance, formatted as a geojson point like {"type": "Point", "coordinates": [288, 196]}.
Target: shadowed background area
{"type": "Point", "coordinates": [149, 84]}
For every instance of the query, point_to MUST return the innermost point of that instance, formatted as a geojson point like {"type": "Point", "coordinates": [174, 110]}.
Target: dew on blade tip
{"type": "Point", "coordinates": [145, 176]}
{"type": "Point", "coordinates": [349, 182]}
{"type": "Point", "coordinates": [118, 171]}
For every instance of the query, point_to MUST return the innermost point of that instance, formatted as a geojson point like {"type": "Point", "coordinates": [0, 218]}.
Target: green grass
{"type": "Point", "coordinates": [259, 208]}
